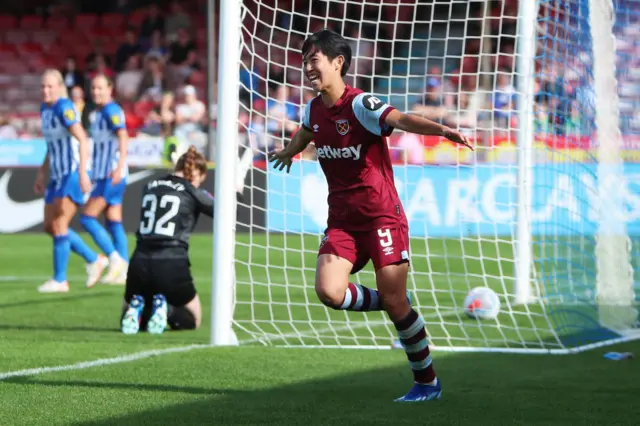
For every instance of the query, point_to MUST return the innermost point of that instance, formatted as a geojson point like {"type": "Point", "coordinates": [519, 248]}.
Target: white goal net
{"type": "Point", "coordinates": [545, 211]}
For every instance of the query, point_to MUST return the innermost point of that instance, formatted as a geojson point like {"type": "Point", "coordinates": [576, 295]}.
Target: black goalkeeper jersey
{"type": "Point", "coordinates": [169, 212]}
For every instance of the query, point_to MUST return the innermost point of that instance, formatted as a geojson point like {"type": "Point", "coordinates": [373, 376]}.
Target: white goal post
{"type": "Point", "coordinates": [546, 211]}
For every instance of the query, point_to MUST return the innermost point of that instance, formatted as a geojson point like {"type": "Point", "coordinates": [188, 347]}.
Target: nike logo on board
{"type": "Point", "coordinates": [16, 216]}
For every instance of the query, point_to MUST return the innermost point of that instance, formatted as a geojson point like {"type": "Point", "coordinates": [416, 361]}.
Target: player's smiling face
{"type": "Point", "coordinates": [51, 88]}
{"type": "Point", "coordinates": [100, 91]}
{"type": "Point", "coordinates": [320, 70]}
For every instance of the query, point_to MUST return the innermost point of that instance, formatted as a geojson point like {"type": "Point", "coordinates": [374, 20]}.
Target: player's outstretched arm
{"type": "Point", "coordinates": [284, 157]}
{"type": "Point", "coordinates": [422, 126]}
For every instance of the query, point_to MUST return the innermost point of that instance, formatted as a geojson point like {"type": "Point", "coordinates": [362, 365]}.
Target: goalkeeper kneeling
{"type": "Point", "coordinates": [160, 291]}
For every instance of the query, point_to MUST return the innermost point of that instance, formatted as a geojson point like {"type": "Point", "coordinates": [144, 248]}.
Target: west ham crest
{"type": "Point", "coordinates": [342, 126]}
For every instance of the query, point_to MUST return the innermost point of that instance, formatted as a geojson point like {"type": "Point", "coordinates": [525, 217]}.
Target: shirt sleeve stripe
{"type": "Point", "coordinates": [385, 129]}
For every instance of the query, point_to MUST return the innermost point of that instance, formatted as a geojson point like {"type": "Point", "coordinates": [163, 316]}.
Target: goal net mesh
{"type": "Point", "coordinates": [455, 62]}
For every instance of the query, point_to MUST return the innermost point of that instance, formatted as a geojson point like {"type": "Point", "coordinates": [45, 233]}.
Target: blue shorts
{"type": "Point", "coordinates": [112, 194]}
{"type": "Point", "coordinates": [66, 186]}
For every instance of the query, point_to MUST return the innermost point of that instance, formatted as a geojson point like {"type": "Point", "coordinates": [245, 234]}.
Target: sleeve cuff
{"type": "Point", "coordinates": [385, 130]}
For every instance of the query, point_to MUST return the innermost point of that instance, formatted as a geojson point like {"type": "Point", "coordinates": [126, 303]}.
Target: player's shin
{"type": "Point", "coordinates": [98, 233]}
{"type": "Point", "coordinates": [413, 337]}
{"type": "Point", "coordinates": [119, 238]}
{"type": "Point", "coordinates": [61, 251]}
{"type": "Point", "coordinates": [81, 248]}
{"type": "Point", "coordinates": [360, 298]}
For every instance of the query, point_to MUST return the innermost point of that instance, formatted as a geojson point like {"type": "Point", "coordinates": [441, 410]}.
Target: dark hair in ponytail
{"type": "Point", "coordinates": [190, 161]}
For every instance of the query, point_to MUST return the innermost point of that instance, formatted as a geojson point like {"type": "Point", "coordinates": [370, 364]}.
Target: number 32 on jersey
{"type": "Point", "coordinates": [151, 222]}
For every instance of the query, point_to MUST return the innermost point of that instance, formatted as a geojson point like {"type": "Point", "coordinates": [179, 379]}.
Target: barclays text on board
{"type": "Point", "coordinates": [463, 201]}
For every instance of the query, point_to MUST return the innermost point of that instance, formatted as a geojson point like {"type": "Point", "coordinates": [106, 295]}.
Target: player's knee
{"type": "Point", "coordinates": [181, 318]}
{"type": "Point", "coordinates": [330, 297]}
{"type": "Point", "coordinates": [59, 226]}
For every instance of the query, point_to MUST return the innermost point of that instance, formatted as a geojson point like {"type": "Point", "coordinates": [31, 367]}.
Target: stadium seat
{"type": "Point", "coordinates": [136, 17]}
{"type": "Point", "coordinates": [7, 51]}
{"type": "Point", "coordinates": [29, 49]}
{"type": "Point", "coordinates": [98, 33]}
{"type": "Point", "coordinates": [57, 23]}
{"type": "Point", "coordinates": [15, 67]}
{"type": "Point", "coordinates": [7, 80]}
{"type": "Point", "coordinates": [8, 22]}
{"type": "Point", "coordinates": [37, 64]}
{"type": "Point", "coordinates": [26, 107]}
{"type": "Point", "coordinates": [16, 37]}
{"type": "Point", "coordinates": [112, 20]}
{"type": "Point", "coordinates": [31, 22]}
{"type": "Point", "coordinates": [111, 46]}
{"type": "Point", "coordinates": [13, 94]}
{"type": "Point", "coordinates": [30, 80]}
{"type": "Point", "coordinates": [44, 38]}
{"type": "Point", "coordinates": [85, 22]}
{"type": "Point", "coordinates": [57, 54]}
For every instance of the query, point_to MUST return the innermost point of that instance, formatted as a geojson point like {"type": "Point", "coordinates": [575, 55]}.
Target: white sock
{"type": "Point", "coordinates": [432, 383]}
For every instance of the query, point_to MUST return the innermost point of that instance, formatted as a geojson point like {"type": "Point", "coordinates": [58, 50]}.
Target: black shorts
{"type": "Point", "coordinates": [165, 271]}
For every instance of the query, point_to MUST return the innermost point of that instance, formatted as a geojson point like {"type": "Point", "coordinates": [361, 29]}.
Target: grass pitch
{"type": "Point", "coordinates": [256, 385]}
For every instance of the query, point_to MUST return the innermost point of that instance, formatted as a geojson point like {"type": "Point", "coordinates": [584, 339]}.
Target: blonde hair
{"type": "Point", "coordinates": [58, 76]}
{"type": "Point", "coordinates": [106, 79]}
{"type": "Point", "coordinates": [190, 161]}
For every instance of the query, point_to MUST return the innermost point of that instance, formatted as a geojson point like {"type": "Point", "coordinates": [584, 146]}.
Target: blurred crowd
{"type": "Point", "coordinates": [155, 52]}
{"type": "Point", "coordinates": [151, 55]}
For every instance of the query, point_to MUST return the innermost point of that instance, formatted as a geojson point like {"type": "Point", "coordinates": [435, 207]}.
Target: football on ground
{"type": "Point", "coordinates": [482, 303]}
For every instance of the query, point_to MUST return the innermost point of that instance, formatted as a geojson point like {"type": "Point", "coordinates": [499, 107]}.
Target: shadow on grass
{"type": "Point", "coordinates": [57, 328]}
{"type": "Point", "coordinates": [116, 386]}
{"type": "Point", "coordinates": [479, 389]}
{"type": "Point", "coordinates": [47, 299]}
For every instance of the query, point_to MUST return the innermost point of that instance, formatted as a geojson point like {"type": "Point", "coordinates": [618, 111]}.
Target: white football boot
{"type": "Point", "coordinates": [95, 270]}
{"type": "Point", "coordinates": [53, 286]}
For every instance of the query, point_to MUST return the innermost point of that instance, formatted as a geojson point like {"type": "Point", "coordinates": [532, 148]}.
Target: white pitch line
{"type": "Point", "coordinates": [100, 362]}
{"type": "Point", "coordinates": [136, 356]}
{"type": "Point", "coordinates": [16, 278]}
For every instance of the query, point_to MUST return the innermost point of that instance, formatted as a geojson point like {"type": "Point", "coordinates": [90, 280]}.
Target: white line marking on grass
{"type": "Point", "coordinates": [136, 356]}
{"type": "Point", "coordinates": [71, 279]}
{"type": "Point", "coordinates": [100, 362]}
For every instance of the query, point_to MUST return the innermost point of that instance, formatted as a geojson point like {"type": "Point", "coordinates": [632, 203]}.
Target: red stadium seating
{"type": "Point", "coordinates": [29, 49]}
{"type": "Point", "coordinates": [44, 38]}
{"type": "Point", "coordinates": [7, 51]}
{"type": "Point", "coordinates": [98, 33]}
{"type": "Point", "coordinates": [136, 18]}
{"type": "Point", "coordinates": [16, 37]}
{"type": "Point", "coordinates": [31, 22]}
{"type": "Point", "coordinates": [112, 20]}
{"type": "Point", "coordinates": [86, 21]}
{"type": "Point", "coordinates": [57, 23]}
{"type": "Point", "coordinates": [8, 22]}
